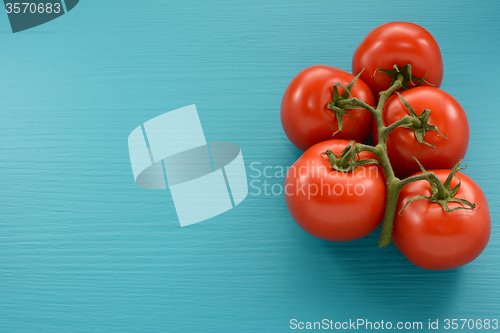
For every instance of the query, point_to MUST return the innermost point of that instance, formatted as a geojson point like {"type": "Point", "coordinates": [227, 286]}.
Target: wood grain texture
{"type": "Point", "coordinates": [83, 249]}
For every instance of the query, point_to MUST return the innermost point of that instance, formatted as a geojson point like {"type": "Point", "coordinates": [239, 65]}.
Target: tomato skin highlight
{"type": "Point", "coordinates": [398, 43]}
{"type": "Point", "coordinates": [446, 113]}
{"type": "Point", "coordinates": [434, 239]}
{"type": "Point", "coordinates": [305, 117]}
{"type": "Point", "coordinates": [318, 198]}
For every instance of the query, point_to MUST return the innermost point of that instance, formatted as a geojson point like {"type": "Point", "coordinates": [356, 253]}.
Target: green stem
{"type": "Point", "coordinates": [355, 102]}
{"type": "Point", "coordinates": [393, 183]}
{"type": "Point", "coordinates": [416, 178]}
{"type": "Point", "coordinates": [384, 95]}
{"type": "Point", "coordinates": [441, 193]}
{"type": "Point", "coordinates": [393, 189]}
{"type": "Point", "coordinates": [348, 159]}
{"type": "Point", "coordinates": [431, 177]}
{"type": "Point", "coordinates": [403, 121]}
{"type": "Point", "coordinates": [374, 150]}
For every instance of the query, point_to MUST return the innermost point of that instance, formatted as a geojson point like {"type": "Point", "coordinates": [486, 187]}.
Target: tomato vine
{"type": "Point", "coordinates": [419, 125]}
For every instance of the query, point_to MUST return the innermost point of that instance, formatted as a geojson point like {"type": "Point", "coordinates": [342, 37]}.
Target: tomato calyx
{"type": "Point", "coordinates": [348, 159]}
{"type": "Point", "coordinates": [408, 77]}
{"type": "Point", "coordinates": [334, 105]}
{"type": "Point", "coordinates": [420, 124]}
{"type": "Point", "coordinates": [442, 194]}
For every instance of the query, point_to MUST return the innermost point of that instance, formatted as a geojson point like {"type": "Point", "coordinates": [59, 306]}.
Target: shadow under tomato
{"type": "Point", "coordinates": [382, 277]}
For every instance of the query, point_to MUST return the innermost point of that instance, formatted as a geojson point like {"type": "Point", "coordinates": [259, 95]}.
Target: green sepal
{"type": "Point", "coordinates": [407, 75]}
{"type": "Point", "coordinates": [367, 161]}
{"type": "Point", "coordinates": [420, 165]}
{"type": "Point", "coordinates": [331, 156]}
{"type": "Point", "coordinates": [417, 197]}
{"type": "Point", "coordinates": [347, 148]}
{"type": "Point", "coordinates": [462, 201]}
{"type": "Point", "coordinates": [349, 87]}
{"type": "Point", "coordinates": [423, 123]}
{"type": "Point", "coordinates": [339, 114]}
{"type": "Point", "coordinates": [340, 163]}
{"type": "Point", "coordinates": [347, 93]}
{"type": "Point", "coordinates": [335, 96]}
{"type": "Point", "coordinates": [443, 203]}
{"type": "Point", "coordinates": [449, 193]}
{"type": "Point", "coordinates": [455, 169]}
{"type": "Point", "coordinates": [341, 111]}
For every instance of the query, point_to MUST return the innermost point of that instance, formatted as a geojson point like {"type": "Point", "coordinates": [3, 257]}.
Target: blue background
{"type": "Point", "coordinates": [83, 249]}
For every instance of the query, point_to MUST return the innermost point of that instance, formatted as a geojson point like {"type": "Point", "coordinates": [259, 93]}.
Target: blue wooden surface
{"type": "Point", "coordinates": [83, 249]}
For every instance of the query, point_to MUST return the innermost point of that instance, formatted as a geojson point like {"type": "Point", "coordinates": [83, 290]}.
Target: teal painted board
{"type": "Point", "coordinates": [84, 249]}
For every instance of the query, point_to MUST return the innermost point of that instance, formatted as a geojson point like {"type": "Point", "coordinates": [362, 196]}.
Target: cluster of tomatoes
{"type": "Point", "coordinates": [439, 217]}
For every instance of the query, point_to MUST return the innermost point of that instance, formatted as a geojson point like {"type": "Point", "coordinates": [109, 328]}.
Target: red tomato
{"type": "Point", "coordinates": [398, 43]}
{"type": "Point", "coordinates": [432, 238]}
{"type": "Point", "coordinates": [332, 205]}
{"type": "Point", "coordinates": [304, 113]}
{"type": "Point", "coordinates": [446, 113]}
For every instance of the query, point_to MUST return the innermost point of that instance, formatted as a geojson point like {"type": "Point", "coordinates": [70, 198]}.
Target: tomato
{"type": "Point", "coordinates": [446, 113]}
{"type": "Point", "coordinates": [398, 43]}
{"type": "Point", "coordinates": [432, 238]}
{"type": "Point", "coordinates": [333, 205]}
{"type": "Point", "coordinates": [305, 117]}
